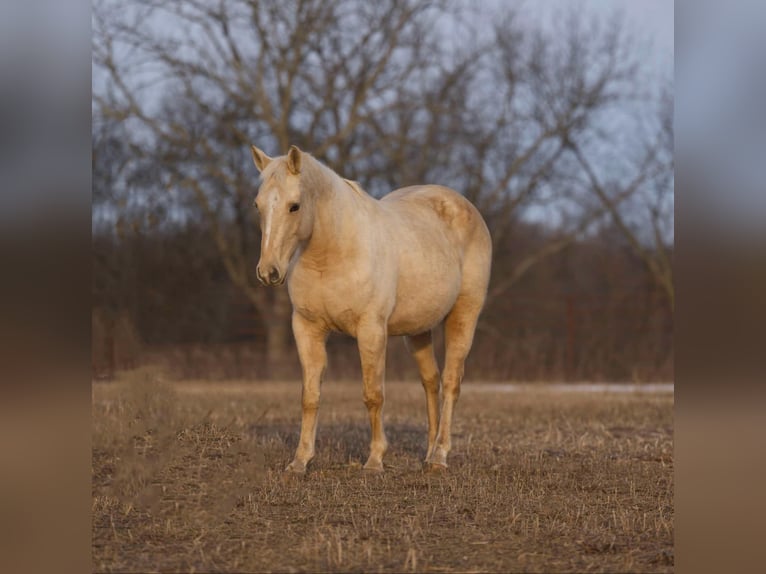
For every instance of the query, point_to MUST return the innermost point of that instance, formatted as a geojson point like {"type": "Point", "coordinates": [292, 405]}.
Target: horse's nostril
{"type": "Point", "coordinates": [273, 275]}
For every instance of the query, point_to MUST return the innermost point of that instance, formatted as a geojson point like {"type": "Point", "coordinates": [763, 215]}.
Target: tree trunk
{"type": "Point", "coordinates": [277, 326]}
{"type": "Point", "coordinates": [274, 307]}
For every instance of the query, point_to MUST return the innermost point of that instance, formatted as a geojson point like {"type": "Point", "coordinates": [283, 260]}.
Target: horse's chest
{"type": "Point", "coordinates": [337, 304]}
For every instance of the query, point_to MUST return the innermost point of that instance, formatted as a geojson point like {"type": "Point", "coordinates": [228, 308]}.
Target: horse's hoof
{"type": "Point", "coordinates": [293, 471]}
{"type": "Point", "coordinates": [373, 468]}
{"type": "Point", "coordinates": [435, 468]}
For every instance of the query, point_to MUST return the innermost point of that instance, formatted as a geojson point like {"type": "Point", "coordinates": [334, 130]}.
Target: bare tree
{"type": "Point", "coordinates": [574, 86]}
{"type": "Point", "coordinates": [307, 72]}
{"type": "Point", "coordinates": [648, 226]}
{"type": "Point", "coordinates": [382, 94]}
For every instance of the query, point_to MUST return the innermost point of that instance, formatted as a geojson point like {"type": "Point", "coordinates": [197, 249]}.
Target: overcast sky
{"type": "Point", "coordinates": [652, 20]}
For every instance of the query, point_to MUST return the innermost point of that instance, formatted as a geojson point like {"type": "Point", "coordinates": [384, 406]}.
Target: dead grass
{"type": "Point", "coordinates": [187, 477]}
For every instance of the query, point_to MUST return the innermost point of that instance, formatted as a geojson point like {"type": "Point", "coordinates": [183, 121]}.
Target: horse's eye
{"type": "Point", "coordinates": [294, 207]}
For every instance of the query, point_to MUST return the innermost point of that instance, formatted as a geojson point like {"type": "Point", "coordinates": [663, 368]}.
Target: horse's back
{"type": "Point", "coordinates": [459, 217]}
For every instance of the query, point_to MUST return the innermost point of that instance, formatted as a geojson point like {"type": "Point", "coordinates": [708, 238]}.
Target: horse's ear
{"type": "Point", "coordinates": [294, 160]}
{"type": "Point", "coordinates": [260, 159]}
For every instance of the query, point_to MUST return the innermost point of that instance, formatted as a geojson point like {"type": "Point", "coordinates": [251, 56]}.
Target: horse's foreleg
{"type": "Point", "coordinates": [310, 340]}
{"type": "Point", "coordinates": [459, 328]}
{"type": "Point", "coordinates": [421, 347]}
{"type": "Point", "coordinates": [372, 340]}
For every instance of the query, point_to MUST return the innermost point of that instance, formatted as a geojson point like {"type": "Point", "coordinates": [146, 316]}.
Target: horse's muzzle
{"type": "Point", "coordinates": [271, 277]}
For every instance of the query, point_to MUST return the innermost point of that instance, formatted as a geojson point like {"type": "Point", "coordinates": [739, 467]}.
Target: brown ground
{"type": "Point", "coordinates": [187, 477]}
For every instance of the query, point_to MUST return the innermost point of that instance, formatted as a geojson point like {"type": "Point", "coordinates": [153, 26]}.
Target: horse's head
{"type": "Point", "coordinates": [285, 213]}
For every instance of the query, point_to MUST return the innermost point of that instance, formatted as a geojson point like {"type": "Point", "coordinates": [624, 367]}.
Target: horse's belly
{"type": "Point", "coordinates": [421, 307]}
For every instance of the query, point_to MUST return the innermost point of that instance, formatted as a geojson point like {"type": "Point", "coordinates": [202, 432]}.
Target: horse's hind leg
{"type": "Point", "coordinates": [421, 347]}
{"type": "Point", "coordinates": [459, 328]}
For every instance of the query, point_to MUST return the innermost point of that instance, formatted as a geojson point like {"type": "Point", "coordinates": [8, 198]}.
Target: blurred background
{"type": "Point", "coordinates": [554, 118]}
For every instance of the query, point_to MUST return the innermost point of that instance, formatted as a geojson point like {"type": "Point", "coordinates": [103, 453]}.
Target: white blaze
{"type": "Point", "coordinates": [270, 209]}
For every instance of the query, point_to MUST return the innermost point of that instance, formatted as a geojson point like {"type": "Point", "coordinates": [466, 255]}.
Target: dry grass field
{"type": "Point", "coordinates": [187, 477]}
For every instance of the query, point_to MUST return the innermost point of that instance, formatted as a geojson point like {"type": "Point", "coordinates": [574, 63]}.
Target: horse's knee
{"type": "Point", "coordinates": [373, 402]}
{"type": "Point", "coordinates": [310, 405]}
{"type": "Point", "coordinates": [310, 400]}
{"type": "Point", "coordinates": [452, 392]}
{"type": "Point", "coordinates": [451, 387]}
{"type": "Point", "coordinates": [373, 398]}
{"type": "Point", "coordinates": [431, 384]}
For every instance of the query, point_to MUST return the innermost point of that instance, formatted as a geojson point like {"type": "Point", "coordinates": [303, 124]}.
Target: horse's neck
{"type": "Point", "coordinates": [331, 190]}
{"type": "Point", "coordinates": [337, 211]}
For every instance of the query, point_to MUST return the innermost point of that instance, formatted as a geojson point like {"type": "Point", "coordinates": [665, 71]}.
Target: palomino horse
{"type": "Point", "coordinates": [372, 268]}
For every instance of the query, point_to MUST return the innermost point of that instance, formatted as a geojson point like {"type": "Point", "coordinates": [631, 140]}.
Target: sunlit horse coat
{"type": "Point", "coordinates": [373, 268]}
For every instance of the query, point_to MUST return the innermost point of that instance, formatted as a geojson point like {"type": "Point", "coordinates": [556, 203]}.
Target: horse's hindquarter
{"type": "Point", "coordinates": [435, 231]}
